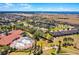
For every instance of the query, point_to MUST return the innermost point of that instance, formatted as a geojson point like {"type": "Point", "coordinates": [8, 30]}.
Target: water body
{"type": "Point", "coordinates": [42, 12]}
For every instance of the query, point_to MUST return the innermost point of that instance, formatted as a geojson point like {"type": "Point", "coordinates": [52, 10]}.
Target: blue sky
{"type": "Point", "coordinates": [39, 6]}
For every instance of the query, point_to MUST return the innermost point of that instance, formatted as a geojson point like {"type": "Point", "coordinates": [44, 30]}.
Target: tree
{"type": "Point", "coordinates": [5, 29]}
{"type": "Point", "coordinates": [59, 47]}
{"type": "Point", "coordinates": [38, 50]}
{"type": "Point", "coordinates": [32, 30]}
{"type": "Point", "coordinates": [14, 27]}
{"type": "Point", "coordinates": [24, 34]}
{"type": "Point", "coordinates": [38, 34]}
{"type": "Point", "coordinates": [68, 41]}
{"type": "Point", "coordinates": [4, 50]}
{"type": "Point", "coordinates": [48, 37]}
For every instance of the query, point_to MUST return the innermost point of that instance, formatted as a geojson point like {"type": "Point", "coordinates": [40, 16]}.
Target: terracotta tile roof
{"type": "Point", "coordinates": [1, 36]}
{"type": "Point", "coordinates": [8, 39]}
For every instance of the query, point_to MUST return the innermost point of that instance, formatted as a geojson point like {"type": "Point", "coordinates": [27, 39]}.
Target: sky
{"type": "Point", "coordinates": [39, 6]}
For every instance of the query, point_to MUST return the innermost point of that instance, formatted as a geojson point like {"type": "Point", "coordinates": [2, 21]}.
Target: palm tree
{"type": "Point", "coordinates": [37, 36]}
{"type": "Point", "coordinates": [6, 30]}
{"type": "Point", "coordinates": [10, 27]}
{"type": "Point", "coordinates": [13, 27]}
{"type": "Point", "coordinates": [59, 47]}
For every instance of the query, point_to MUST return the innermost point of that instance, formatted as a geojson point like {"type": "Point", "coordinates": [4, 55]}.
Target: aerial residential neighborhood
{"type": "Point", "coordinates": [39, 32]}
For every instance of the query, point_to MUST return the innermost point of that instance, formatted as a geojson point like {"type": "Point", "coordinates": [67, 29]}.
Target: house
{"type": "Point", "coordinates": [13, 35]}
{"type": "Point", "coordinates": [63, 33]}
{"type": "Point", "coordinates": [22, 43]}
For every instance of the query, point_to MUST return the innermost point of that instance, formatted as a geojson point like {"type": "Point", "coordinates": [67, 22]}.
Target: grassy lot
{"type": "Point", "coordinates": [20, 52]}
{"type": "Point", "coordinates": [69, 50]}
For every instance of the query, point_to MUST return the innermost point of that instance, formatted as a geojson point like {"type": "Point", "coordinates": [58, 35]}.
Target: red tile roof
{"type": "Point", "coordinates": [1, 36]}
{"type": "Point", "coordinates": [8, 39]}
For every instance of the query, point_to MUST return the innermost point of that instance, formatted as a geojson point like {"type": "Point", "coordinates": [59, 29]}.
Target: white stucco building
{"type": "Point", "coordinates": [22, 43]}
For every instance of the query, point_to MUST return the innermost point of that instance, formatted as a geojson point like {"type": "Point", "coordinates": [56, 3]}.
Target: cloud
{"type": "Point", "coordinates": [57, 9]}
{"type": "Point", "coordinates": [6, 6]}
{"type": "Point", "coordinates": [15, 7]}
{"type": "Point", "coordinates": [67, 9]}
{"type": "Point", "coordinates": [30, 7]}
{"type": "Point", "coordinates": [25, 6]}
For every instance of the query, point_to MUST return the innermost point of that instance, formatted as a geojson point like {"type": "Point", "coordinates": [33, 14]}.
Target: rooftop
{"type": "Point", "coordinates": [5, 40]}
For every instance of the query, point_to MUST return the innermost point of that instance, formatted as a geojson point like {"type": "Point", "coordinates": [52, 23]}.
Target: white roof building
{"type": "Point", "coordinates": [22, 43]}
